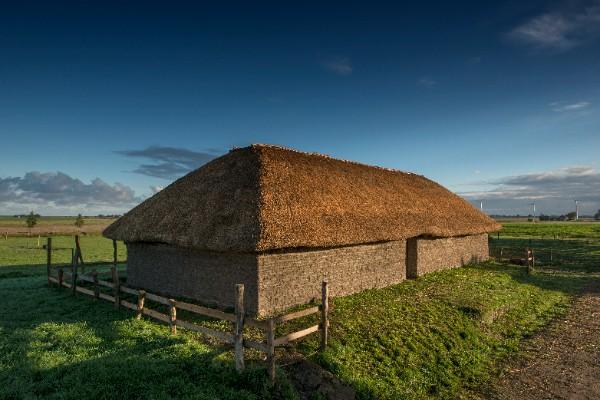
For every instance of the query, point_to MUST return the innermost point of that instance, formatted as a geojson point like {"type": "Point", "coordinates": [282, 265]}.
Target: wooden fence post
{"type": "Point", "coordinates": [271, 349]}
{"type": "Point", "coordinates": [60, 276]}
{"type": "Point", "coordinates": [115, 253]}
{"type": "Point", "coordinates": [79, 252]}
{"type": "Point", "coordinates": [528, 256]}
{"type": "Point", "coordinates": [173, 316]}
{"type": "Point", "coordinates": [116, 286]}
{"type": "Point", "coordinates": [49, 256]}
{"type": "Point", "coordinates": [96, 287]}
{"type": "Point", "coordinates": [324, 312]}
{"type": "Point", "coordinates": [140, 304]}
{"type": "Point", "coordinates": [74, 273]}
{"type": "Point", "coordinates": [239, 327]}
{"type": "Point", "coordinates": [551, 256]}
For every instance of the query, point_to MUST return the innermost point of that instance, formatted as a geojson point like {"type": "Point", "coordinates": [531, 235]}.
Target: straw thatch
{"type": "Point", "coordinates": [264, 197]}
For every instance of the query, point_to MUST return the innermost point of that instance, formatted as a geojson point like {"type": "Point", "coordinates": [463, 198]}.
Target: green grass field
{"type": "Point", "coordinates": [554, 230]}
{"type": "Point", "coordinates": [441, 336]}
{"type": "Point", "coordinates": [48, 221]}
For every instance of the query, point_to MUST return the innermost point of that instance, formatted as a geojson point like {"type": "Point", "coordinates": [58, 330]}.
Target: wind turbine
{"type": "Point", "coordinates": [533, 209]}
{"type": "Point", "coordinates": [576, 210]}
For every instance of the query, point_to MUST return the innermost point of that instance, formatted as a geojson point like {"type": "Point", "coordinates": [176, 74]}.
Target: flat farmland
{"type": "Point", "coordinates": [445, 335]}
{"type": "Point", "coordinates": [13, 226]}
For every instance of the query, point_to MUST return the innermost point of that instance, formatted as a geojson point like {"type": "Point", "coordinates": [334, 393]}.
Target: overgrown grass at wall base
{"type": "Point", "coordinates": [438, 336]}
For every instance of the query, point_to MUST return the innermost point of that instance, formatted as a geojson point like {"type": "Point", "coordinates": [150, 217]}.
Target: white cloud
{"type": "Point", "coordinates": [562, 107]}
{"type": "Point", "coordinates": [340, 66]}
{"type": "Point", "coordinates": [58, 192]}
{"type": "Point", "coordinates": [553, 191]}
{"type": "Point", "coordinates": [560, 30]}
{"type": "Point", "coordinates": [426, 82]}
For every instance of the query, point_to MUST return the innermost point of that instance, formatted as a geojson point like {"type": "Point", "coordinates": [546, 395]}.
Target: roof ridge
{"type": "Point", "coordinates": [319, 155]}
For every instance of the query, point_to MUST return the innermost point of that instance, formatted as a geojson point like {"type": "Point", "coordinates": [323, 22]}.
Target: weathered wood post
{"type": "Point", "coordinates": [271, 349]}
{"type": "Point", "coordinates": [173, 316]}
{"type": "Point", "coordinates": [116, 286]}
{"type": "Point", "coordinates": [551, 256]}
{"type": "Point", "coordinates": [79, 252]}
{"type": "Point", "coordinates": [96, 287]}
{"type": "Point", "coordinates": [115, 253]}
{"type": "Point", "coordinates": [501, 253]}
{"type": "Point", "coordinates": [60, 276]}
{"type": "Point", "coordinates": [324, 314]}
{"type": "Point", "coordinates": [49, 256]}
{"type": "Point", "coordinates": [74, 273]}
{"type": "Point", "coordinates": [239, 327]}
{"type": "Point", "coordinates": [140, 304]}
{"type": "Point", "coordinates": [528, 260]}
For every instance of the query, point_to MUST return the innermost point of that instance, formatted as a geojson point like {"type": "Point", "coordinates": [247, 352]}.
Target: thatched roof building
{"type": "Point", "coordinates": [264, 199]}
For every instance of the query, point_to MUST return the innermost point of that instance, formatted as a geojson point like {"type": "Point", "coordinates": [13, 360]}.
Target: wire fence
{"type": "Point", "coordinates": [580, 253]}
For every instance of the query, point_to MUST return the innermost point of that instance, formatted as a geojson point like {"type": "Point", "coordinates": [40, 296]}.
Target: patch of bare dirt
{"type": "Point", "coordinates": [563, 362]}
{"type": "Point", "coordinates": [313, 382]}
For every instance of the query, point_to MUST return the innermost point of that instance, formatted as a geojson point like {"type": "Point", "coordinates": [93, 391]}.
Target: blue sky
{"type": "Point", "coordinates": [103, 103]}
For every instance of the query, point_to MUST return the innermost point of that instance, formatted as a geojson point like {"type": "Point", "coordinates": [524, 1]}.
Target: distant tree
{"type": "Point", "coordinates": [544, 217]}
{"type": "Point", "coordinates": [571, 215]}
{"type": "Point", "coordinates": [597, 216]}
{"type": "Point", "coordinates": [79, 221]}
{"type": "Point", "coordinates": [31, 220]}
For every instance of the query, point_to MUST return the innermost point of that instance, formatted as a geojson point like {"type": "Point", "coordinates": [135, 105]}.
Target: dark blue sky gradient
{"type": "Point", "coordinates": [439, 88]}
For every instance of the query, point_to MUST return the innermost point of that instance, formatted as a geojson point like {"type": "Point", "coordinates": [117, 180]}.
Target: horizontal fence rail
{"type": "Point", "coordinates": [68, 277]}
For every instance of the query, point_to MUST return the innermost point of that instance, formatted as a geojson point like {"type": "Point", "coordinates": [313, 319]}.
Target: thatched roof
{"type": "Point", "coordinates": [265, 197]}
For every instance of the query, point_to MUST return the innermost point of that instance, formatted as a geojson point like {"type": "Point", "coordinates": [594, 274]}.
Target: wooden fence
{"type": "Point", "coordinates": [70, 279]}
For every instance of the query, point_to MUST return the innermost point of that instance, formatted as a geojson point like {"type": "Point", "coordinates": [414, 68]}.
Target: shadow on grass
{"type": "Point", "coordinates": [55, 345]}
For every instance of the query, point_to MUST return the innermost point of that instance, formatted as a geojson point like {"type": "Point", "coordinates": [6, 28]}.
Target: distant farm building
{"type": "Point", "coordinates": [279, 221]}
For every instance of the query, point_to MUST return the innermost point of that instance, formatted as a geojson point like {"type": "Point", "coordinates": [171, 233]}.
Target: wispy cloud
{"type": "Point", "coordinates": [339, 65]}
{"type": "Point", "coordinates": [562, 107]}
{"type": "Point", "coordinates": [57, 190]}
{"type": "Point", "coordinates": [554, 191]}
{"type": "Point", "coordinates": [426, 82]}
{"type": "Point", "coordinates": [560, 30]}
{"type": "Point", "coordinates": [169, 162]}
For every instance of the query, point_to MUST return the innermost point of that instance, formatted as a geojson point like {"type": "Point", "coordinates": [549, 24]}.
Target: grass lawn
{"type": "Point", "coordinates": [54, 345]}
{"type": "Point", "coordinates": [23, 253]}
{"type": "Point", "coordinates": [553, 230]}
{"type": "Point", "coordinates": [438, 336]}
{"type": "Point", "coordinates": [441, 336]}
